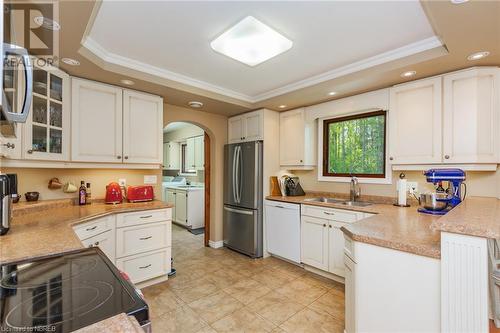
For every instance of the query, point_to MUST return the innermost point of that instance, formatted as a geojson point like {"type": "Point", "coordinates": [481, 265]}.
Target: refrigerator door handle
{"type": "Point", "coordinates": [237, 174]}
{"type": "Point", "coordinates": [240, 174]}
{"type": "Point", "coordinates": [238, 211]}
{"type": "Point", "coordinates": [233, 175]}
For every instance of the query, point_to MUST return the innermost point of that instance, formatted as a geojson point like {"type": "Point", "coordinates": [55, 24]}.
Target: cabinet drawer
{"type": "Point", "coordinates": [105, 241]}
{"type": "Point", "coordinates": [143, 217]}
{"type": "Point", "coordinates": [146, 266]}
{"type": "Point", "coordinates": [94, 227]}
{"type": "Point", "coordinates": [142, 238]}
{"type": "Point", "coordinates": [349, 247]}
{"type": "Point", "coordinates": [340, 215]}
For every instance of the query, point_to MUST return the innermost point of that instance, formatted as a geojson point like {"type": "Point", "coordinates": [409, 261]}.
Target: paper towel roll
{"type": "Point", "coordinates": [401, 188]}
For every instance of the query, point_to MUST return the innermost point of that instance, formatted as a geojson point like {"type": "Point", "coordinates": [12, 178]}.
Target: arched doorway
{"type": "Point", "coordinates": [186, 176]}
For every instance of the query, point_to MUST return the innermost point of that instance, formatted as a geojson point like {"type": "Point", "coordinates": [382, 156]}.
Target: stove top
{"type": "Point", "coordinates": [65, 293]}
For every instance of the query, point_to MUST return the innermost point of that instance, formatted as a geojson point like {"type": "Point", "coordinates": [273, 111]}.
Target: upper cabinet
{"type": "Point", "coordinates": [415, 122]}
{"type": "Point", "coordinates": [452, 118]}
{"type": "Point", "coordinates": [195, 151]}
{"type": "Point", "coordinates": [113, 125]}
{"type": "Point", "coordinates": [246, 127]}
{"type": "Point", "coordinates": [471, 116]}
{"type": "Point", "coordinates": [47, 129]}
{"type": "Point", "coordinates": [96, 122]}
{"type": "Point", "coordinates": [297, 139]}
{"type": "Point", "coordinates": [171, 156]}
{"type": "Point", "coordinates": [142, 127]}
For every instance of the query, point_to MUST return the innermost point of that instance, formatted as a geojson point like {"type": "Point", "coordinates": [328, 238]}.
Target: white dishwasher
{"type": "Point", "coordinates": [283, 229]}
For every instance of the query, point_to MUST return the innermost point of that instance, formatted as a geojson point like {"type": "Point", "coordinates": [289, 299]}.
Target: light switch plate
{"type": "Point", "coordinates": [412, 187]}
{"type": "Point", "coordinates": [122, 182]}
{"type": "Point", "coordinates": [150, 179]}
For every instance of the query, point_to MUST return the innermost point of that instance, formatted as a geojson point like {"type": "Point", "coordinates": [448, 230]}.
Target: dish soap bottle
{"type": "Point", "coordinates": [88, 195]}
{"type": "Point", "coordinates": [82, 194]}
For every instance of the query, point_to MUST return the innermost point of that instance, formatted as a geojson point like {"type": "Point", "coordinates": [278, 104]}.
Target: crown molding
{"type": "Point", "coordinates": [402, 52]}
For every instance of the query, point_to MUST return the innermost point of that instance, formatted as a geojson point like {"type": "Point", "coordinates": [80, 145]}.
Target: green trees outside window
{"type": "Point", "coordinates": [355, 145]}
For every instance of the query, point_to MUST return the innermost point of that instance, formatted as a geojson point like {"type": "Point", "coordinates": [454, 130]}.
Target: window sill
{"type": "Point", "coordinates": [386, 181]}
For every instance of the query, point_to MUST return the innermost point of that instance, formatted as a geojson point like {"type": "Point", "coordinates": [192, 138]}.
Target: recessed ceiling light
{"type": "Point", "coordinates": [69, 61]}
{"type": "Point", "coordinates": [458, 2]}
{"type": "Point", "coordinates": [478, 55]}
{"type": "Point", "coordinates": [127, 82]}
{"type": "Point", "coordinates": [195, 104]}
{"type": "Point", "coordinates": [332, 93]}
{"type": "Point", "coordinates": [47, 23]}
{"type": "Point", "coordinates": [408, 74]}
{"type": "Point", "coordinates": [251, 42]}
{"type": "Point", "coordinates": [282, 106]}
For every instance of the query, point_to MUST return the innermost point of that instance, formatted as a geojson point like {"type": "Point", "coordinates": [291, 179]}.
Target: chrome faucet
{"type": "Point", "coordinates": [355, 189]}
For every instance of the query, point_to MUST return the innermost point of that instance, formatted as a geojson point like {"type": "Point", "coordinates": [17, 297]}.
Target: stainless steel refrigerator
{"type": "Point", "coordinates": [243, 203]}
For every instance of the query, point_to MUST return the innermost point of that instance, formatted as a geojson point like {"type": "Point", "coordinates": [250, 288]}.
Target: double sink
{"type": "Point", "coordinates": [339, 201]}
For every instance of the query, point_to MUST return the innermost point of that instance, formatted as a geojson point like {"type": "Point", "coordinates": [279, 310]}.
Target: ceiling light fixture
{"type": "Point", "coordinates": [251, 42]}
{"type": "Point", "coordinates": [195, 104]}
{"type": "Point", "coordinates": [127, 82]}
{"type": "Point", "coordinates": [478, 55]}
{"type": "Point", "coordinates": [282, 106]}
{"type": "Point", "coordinates": [408, 74]}
{"type": "Point", "coordinates": [47, 23]}
{"type": "Point", "coordinates": [332, 93]}
{"type": "Point", "coordinates": [71, 62]}
{"type": "Point", "coordinates": [458, 2]}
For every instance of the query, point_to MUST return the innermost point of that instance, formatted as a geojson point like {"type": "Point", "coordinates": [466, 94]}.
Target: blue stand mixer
{"type": "Point", "coordinates": [440, 203]}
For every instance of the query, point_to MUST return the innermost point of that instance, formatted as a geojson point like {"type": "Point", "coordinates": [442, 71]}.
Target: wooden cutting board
{"type": "Point", "coordinates": [274, 188]}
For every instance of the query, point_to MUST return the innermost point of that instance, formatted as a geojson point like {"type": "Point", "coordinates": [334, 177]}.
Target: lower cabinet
{"type": "Point", "coordinates": [189, 206]}
{"type": "Point", "coordinates": [349, 275]}
{"type": "Point", "coordinates": [138, 243]}
{"type": "Point", "coordinates": [322, 241]}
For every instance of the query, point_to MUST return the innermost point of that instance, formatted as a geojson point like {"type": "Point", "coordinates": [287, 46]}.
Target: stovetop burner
{"type": "Point", "coordinates": [64, 293]}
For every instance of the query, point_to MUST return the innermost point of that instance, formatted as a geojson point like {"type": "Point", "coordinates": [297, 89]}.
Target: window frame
{"type": "Point", "coordinates": [184, 171]}
{"type": "Point", "coordinates": [324, 175]}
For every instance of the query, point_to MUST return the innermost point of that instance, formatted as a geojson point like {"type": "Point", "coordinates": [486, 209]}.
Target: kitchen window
{"type": "Point", "coordinates": [185, 169]}
{"type": "Point", "coordinates": [355, 146]}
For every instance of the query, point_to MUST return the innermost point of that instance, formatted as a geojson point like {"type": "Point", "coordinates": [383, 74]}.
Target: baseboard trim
{"type": "Point", "coordinates": [215, 245]}
{"type": "Point", "coordinates": [325, 274]}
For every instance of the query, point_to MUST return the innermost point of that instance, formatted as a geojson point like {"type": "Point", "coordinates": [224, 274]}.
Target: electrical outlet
{"type": "Point", "coordinates": [412, 187]}
{"type": "Point", "coordinates": [122, 182]}
{"type": "Point", "coordinates": [150, 179]}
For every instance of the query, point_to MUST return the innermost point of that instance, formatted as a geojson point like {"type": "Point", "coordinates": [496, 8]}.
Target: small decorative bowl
{"type": "Point", "coordinates": [15, 198]}
{"type": "Point", "coordinates": [31, 196]}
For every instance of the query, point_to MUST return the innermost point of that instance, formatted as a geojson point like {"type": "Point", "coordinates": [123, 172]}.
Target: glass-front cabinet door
{"type": "Point", "coordinates": [47, 130]}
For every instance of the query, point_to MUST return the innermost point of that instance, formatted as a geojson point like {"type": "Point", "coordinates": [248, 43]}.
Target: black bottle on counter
{"type": "Point", "coordinates": [82, 194]}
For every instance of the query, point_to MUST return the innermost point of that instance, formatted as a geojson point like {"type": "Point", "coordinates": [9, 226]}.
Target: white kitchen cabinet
{"type": "Point", "coordinates": [145, 266]}
{"type": "Point", "coordinates": [190, 153]}
{"type": "Point", "coordinates": [96, 122]}
{"type": "Point", "coordinates": [105, 241]}
{"type": "Point", "coordinates": [142, 127]}
{"type": "Point", "coordinates": [47, 129]}
{"type": "Point", "coordinates": [471, 116]}
{"type": "Point", "coordinates": [142, 238]}
{"type": "Point", "coordinates": [189, 206]}
{"type": "Point", "coordinates": [171, 156]}
{"type": "Point", "coordinates": [314, 242]}
{"type": "Point", "coordinates": [199, 153]}
{"type": "Point", "coordinates": [350, 297]}
{"type": "Point", "coordinates": [415, 126]}
{"type": "Point", "coordinates": [297, 140]}
{"type": "Point", "coordinates": [246, 127]}
{"type": "Point", "coordinates": [11, 141]}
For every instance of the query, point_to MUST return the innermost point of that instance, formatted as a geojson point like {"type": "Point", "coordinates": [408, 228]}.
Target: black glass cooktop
{"type": "Point", "coordinates": [64, 293]}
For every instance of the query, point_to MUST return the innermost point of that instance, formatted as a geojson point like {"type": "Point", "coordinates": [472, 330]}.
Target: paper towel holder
{"type": "Point", "coordinates": [401, 176]}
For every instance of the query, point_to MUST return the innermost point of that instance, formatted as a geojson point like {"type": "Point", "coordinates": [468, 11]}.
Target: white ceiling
{"type": "Point", "coordinates": [330, 38]}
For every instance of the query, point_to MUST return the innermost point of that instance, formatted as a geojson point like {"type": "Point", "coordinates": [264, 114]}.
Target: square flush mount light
{"type": "Point", "coordinates": [251, 42]}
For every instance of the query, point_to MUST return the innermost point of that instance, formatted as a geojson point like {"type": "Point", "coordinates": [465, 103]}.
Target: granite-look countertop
{"type": "Point", "coordinates": [475, 216]}
{"type": "Point", "coordinates": [397, 228]}
{"type": "Point", "coordinates": [45, 228]}
{"type": "Point", "coordinates": [117, 324]}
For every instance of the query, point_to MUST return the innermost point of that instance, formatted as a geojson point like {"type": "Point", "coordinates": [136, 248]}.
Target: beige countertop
{"type": "Point", "coordinates": [393, 227]}
{"type": "Point", "coordinates": [44, 228]}
{"type": "Point", "coordinates": [117, 324]}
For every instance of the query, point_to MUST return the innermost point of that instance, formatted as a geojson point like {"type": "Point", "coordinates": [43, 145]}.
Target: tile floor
{"type": "Point", "coordinates": [223, 291]}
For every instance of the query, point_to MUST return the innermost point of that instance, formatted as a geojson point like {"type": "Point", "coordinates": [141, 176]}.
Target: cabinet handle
{"type": "Point", "coordinates": [447, 156]}
{"type": "Point", "coordinates": [30, 151]}
{"type": "Point", "coordinates": [391, 158]}
{"type": "Point", "coordinates": [146, 216]}
{"type": "Point", "coordinates": [90, 229]}
{"type": "Point", "coordinates": [301, 161]}
{"type": "Point", "coordinates": [118, 157]}
{"type": "Point", "coordinates": [125, 157]}
{"type": "Point", "coordinates": [9, 145]}
{"type": "Point", "coordinates": [279, 206]}
{"type": "Point", "coordinates": [143, 267]}
{"type": "Point", "coordinates": [96, 243]}
{"type": "Point", "coordinates": [324, 225]}
{"type": "Point", "coordinates": [145, 238]}
{"type": "Point", "coordinates": [330, 226]}
{"type": "Point", "coordinates": [327, 213]}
